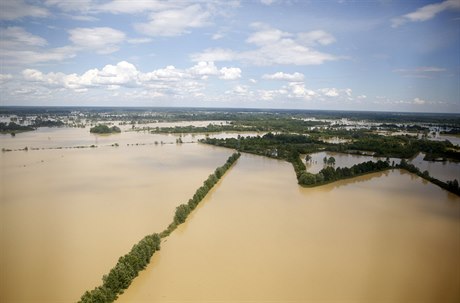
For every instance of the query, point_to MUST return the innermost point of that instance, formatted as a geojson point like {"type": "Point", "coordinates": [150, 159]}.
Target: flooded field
{"type": "Point", "coordinates": [444, 171]}
{"type": "Point", "coordinates": [66, 215]}
{"type": "Point", "coordinates": [258, 237]}
{"type": "Point", "coordinates": [341, 160]}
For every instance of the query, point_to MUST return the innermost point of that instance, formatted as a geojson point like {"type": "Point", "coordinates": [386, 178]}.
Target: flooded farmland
{"type": "Point", "coordinates": [258, 237]}
{"type": "Point", "coordinates": [341, 160]}
{"type": "Point", "coordinates": [68, 214]}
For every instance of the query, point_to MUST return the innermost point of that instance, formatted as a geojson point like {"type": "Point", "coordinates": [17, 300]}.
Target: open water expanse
{"type": "Point", "coordinates": [66, 216]}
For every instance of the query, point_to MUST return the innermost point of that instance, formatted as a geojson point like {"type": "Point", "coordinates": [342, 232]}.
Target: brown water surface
{"type": "Point", "coordinates": [259, 237]}
{"type": "Point", "coordinates": [67, 215]}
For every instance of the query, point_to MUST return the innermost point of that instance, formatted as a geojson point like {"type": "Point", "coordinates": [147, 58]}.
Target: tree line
{"type": "Point", "coordinates": [124, 272]}
{"type": "Point", "coordinates": [330, 174]}
{"type": "Point", "coordinates": [128, 266]}
{"type": "Point", "coordinates": [451, 186]}
{"type": "Point", "coordinates": [183, 210]}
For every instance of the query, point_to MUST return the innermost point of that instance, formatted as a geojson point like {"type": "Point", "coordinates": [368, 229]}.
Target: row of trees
{"type": "Point", "coordinates": [127, 268]}
{"type": "Point", "coordinates": [183, 210]}
{"type": "Point", "coordinates": [129, 265]}
{"type": "Point", "coordinates": [451, 186]}
{"type": "Point", "coordinates": [330, 174]}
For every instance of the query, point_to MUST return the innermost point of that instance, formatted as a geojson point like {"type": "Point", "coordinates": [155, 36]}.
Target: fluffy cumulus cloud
{"type": "Point", "coordinates": [125, 74]}
{"type": "Point", "coordinates": [274, 46]}
{"type": "Point", "coordinates": [204, 69]}
{"type": "Point", "coordinates": [296, 77]}
{"type": "Point", "coordinates": [104, 40]}
{"type": "Point", "coordinates": [345, 93]}
{"type": "Point", "coordinates": [426, 12]}
{"type": "Point", "coordinates": [230, 73]}
{"type": "Point", "coordinates": [174, 22]}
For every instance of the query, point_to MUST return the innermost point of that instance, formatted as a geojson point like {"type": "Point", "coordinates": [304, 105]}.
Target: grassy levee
{"type": "Point", "coordinates": [128, 266]}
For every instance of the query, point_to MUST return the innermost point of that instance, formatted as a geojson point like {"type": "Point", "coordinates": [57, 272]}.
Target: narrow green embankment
{"type": "Point", "coordinates": [128, 266]}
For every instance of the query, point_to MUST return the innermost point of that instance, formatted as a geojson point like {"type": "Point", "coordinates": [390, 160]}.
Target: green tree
{"type": "Point", "coordinates": [331, 161]}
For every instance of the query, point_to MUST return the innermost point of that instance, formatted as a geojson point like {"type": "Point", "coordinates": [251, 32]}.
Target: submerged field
{"type": "Point", "coordinates": [68, 213]}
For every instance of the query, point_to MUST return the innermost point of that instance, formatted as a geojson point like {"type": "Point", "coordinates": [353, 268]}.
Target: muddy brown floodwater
{"type": "Point", "coordinates": [67, 215]}
{"type": "Point", "coordinates": [258, 237]}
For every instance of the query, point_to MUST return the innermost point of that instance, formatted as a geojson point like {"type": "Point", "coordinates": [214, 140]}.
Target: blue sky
{"type": "Point", "coordinates": [340, 55]}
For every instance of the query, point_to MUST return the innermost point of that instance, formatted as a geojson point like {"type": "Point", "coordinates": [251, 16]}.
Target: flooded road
{"type": "Point", "coordinates": [258, 237]}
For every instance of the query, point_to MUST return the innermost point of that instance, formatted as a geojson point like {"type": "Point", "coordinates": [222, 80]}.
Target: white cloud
{"type": "Point", "coordinates": [274, 47]}
{"type": "Point", "coordinates": [215, 54]}
{"type": "Point", "coordinates": [83, 18]}
{"type": "Point", "coordinates": [330, 92]}
{"type": "Point", "coordinates": [134, 7]}
{"type": "Point", "coordinates": [13, 53]}
{"type": "Point", "coordinates": [174, 22]}
{"type": "Point", "coordinates": [286, 52]}
{"type": "Point", "coordinates": [124, 73]}
{"type": "Point", "coordinates": [103, 40]}
{"type": "Point", "coordinates": [230, 73]}
{"type": "Point", "coordinates": [240, 89]}
{"type": "Point", "coordinates": [5, 77]}
{"type": "Point", "coordinates": [217, 36]}
{"type": "Point", "coordinates": [296, 77]}
{"type": "Point", "coordinates": [267, 36]}
{"type": "Point", "coordinates": [170, 80]}
{"type": "Point", "coordinates": [17, 9]}
{"type": "Point", "coordinates": [204, 69]}
{"type": "Point", "coordinates": [419, 101]}
{"type": "Point", "coordinates": [420, 72]}
{"type": "Point", "coordinates": [139, 40]}
{"type": "Point", "coordinates": [17, 37]}
{"type": "Point", "coordinates": [298, 90]}
{"type": "Point", "coordinates": [69, 6]}
{"type": "Point", "coordinates": [430, 69]}
{"type": "Point", "coordinates": [268, 2]}
{"type": "Point", "coordinates": [168, 74]}
{"type": "Point", "coordinates": [426, 12]}
{"type": "Point", "coordinates": [315, 37]}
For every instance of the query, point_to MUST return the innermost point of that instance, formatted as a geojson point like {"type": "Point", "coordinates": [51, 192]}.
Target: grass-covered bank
{"type": "Point", "coordinates": [128, 266]}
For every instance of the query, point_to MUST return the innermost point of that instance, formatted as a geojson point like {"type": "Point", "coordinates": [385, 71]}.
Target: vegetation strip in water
{"type": "Point", "coordinates": [128, 266]}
